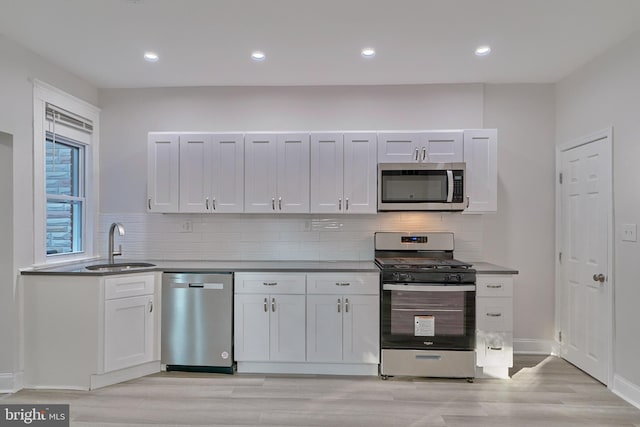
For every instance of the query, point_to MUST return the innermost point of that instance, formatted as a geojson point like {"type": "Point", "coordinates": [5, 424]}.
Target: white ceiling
{"type": "Point", "coordinates": [317, 42]}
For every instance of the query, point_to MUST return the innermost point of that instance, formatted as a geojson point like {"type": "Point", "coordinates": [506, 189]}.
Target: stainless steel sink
{"type": "Point", "coordinates": [122, 266]}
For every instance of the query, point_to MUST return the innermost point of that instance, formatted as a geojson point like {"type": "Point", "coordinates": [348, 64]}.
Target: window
{"type": "Point", "coordinates": [65, 194]}
{"type": "Point", "coordinates": [65, 160]}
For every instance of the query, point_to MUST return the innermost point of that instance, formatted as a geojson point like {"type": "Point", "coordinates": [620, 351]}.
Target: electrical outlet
{"type": "Point", "coordinates": [629, 232]}
{"type": "Point", "coordinates": [186, 227]}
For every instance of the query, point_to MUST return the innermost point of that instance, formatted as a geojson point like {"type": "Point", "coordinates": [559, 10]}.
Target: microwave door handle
{"type": "Point", "coordinates": [450, 186]}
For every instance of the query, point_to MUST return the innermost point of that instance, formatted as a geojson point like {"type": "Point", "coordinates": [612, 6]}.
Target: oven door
{"type": "Point", "coordinates": [428, 316]}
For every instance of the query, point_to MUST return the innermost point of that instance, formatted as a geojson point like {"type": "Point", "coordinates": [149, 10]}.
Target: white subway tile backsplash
{"type": "Point", "coordinates": [279, 237]}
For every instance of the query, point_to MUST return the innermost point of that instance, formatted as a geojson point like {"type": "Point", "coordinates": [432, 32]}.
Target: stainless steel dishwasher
{"type": "Point", "coordinates": [197, 322]}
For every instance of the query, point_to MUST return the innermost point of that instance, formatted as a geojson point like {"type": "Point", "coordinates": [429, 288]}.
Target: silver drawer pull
{"type": "Point", "coordinates": [269, 283]}
{"type": "Point", "coordinates": [273, 304]}
{"type": "Point", "coordinates": [265, 306]}
{"type": "Point", "coordinates": [343, 284]}
{"type": "Point", "coordinates": [494, 314]}
{"type": "Point", "coordinates": [339, 305]}
{"type": "Point", "coordinates": [346, 305]}
{"type": "Point", "coordinates": [495, 348]}
{"type": "Point", "coordinates": [428, 356]}
{"type": "Point", "coordinates": [150, 306]}
{"type": "Point", "coordinates": [494, 286]}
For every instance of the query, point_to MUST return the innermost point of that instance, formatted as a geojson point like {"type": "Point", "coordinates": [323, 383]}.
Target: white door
{"type": "Point", "coordinates": [360, 173]}
{"type": "Point", "coordinates": [163, 157]}
{"type": "Point", "coordinates": [398, 147]}
{"type": "Point", "coordinates": [441, 147]}
{"type": "Point", "coordinates": [361, 329]}
{"type": "Point", "coordinates": [195, 170]}
{"type": "Point", "coordinates": [227, 174]}
{"type": "Point", "coordinates": [326, 172]}
{"type": "Point", "coordinates": [585, 211]}
{"type": "Point", "coordinates": [287, 328]}
{"type": "Point", "coordinates": [260, 172]}
{"type": "Point", "coordinates": [324, 328]}
{"type": "Point", "coordinates": [293, 173]}
{"type": "Point", "coordinates": [251, 327]}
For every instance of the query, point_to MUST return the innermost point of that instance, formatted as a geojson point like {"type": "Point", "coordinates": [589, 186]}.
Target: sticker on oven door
{"type": "Point", "coordinates": [425, 326]}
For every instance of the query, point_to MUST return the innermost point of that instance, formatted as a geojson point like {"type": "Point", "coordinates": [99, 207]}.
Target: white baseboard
{"type": "Point", "coordinates": [534, 346]}
{"type": "Point", "coordinates": [626, 390]}
{"type": "Point", "coordinates": [10, 383]}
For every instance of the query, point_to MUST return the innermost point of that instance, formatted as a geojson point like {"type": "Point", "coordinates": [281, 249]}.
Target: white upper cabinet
{"type": "Point", "coordinates": [163, 167]}
{"type": "Point", "coordinates": [277, 173]}
{"type": "Point", "coordinates": [211, 173]}
{"type": "Point", "coordinates": [343, 172]}
{"type": "Point", "coordinates": [481, 158]}
{"type": "Point", "coordinates": [416, 147]}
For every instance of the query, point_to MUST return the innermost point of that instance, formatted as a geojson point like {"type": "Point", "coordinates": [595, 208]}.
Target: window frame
{"type": "Point", "coordinates": [44, 94]}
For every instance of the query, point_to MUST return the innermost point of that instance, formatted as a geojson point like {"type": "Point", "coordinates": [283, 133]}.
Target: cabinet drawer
{"type": "Point", "coordinates": [494, 285]}
{"type": "Point", "coordinates": [128, 286]}
{"type": "Point", "coordinates": [494, 314]}
{"type": "Point", "coordinates": [494, 349]}
{"type": "Point", "coordinates": [271, 283]}
{"type": "Point", "coordinates": [335, 283]}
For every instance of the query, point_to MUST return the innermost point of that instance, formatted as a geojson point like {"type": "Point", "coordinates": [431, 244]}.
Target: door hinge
{"type": "Point", "coordinates": [560, 257]}
{"type": "Point", "coordinates": [559, 336]}
{"type": "Point", "coordinates": [560, 179]}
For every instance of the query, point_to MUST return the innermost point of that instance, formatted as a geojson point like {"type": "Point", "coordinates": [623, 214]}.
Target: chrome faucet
{"type": "Point", "coordinates": [112, 230]}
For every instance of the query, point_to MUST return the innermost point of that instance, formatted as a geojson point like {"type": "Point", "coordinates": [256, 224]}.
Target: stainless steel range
{"type": "Point", "coordinates": [428, 306]}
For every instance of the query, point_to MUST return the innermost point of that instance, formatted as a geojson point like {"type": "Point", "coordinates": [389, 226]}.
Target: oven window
{"type": "Point", "coordinates": [411, 186]}
{"type": "Point", "coordinates": [428, 313]}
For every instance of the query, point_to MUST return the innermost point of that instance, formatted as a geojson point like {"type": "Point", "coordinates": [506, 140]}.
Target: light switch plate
{"type": "Point", "coordinates": [629, 232]}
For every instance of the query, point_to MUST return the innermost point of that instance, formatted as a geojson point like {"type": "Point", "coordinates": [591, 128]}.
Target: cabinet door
{"type": "Point", "coordinates": [441, 147]}
{"type": "Point", "coordinates": [398, 147]}
{"type": "Point", "coordinates": [260, 173]}
{"type": "Point", "coordinates": [129, 328]}
{"type": "Point", "coordinates": [481, 157]}
{"type": "Point", "coordinates": [227, 174]}
{"type": "Point", "coordinates": [163, 156]}
{"type": "Point", "coordinates": [293, 173]}
{"type": "Point", "coordinates": [324, 328]}
{"type": "Point", "coordinates": [195, 172]}
{"type": "Point", "coordinates": [327, 173]}
{"type": "Point", "coordinates": [361, 329]}
{"type": "Point", "coordinates": [251, 327]}
{"type": "Point", "coordinates": [360, 169]}
{"type": "Point", "coordinates": [287, 328]}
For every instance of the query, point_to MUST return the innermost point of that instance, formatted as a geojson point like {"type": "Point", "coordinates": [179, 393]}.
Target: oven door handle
{"type": "Point", "coordinates": [428, 288]}
{"type": "Point", "coordinates": [449, 186]}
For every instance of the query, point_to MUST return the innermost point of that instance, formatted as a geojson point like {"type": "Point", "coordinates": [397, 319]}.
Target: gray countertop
{"type": "Point", "coordinates": [488, 268]}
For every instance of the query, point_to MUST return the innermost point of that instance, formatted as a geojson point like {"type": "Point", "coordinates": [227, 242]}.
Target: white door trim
{"type": "Point", "coordinates": [607, 134]}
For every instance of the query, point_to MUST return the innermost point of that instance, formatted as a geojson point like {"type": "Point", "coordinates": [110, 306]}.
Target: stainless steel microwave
{"type": "Point", "coordinates": [421, 187]}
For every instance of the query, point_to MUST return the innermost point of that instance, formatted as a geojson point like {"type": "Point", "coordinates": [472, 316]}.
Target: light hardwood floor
{"type": "Point", "coordinates": [543, 391]}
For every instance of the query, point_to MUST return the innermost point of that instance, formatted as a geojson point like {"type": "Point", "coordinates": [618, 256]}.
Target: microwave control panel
{"type": "Point", "coordinates": [458, 187]}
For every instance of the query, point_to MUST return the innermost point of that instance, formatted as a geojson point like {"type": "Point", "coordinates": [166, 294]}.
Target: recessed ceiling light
{"type": "Point", "coordinates": [483, 50]}
{"type": "Point", "coordinates": [258, 56]}
{"type": "Point", "coordinates": [368, 52]}
{"type": "Point", "coordinates": [151, 56]}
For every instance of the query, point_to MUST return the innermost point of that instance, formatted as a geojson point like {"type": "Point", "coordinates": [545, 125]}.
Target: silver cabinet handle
{"type": "Point", "coordinates": [340, 204]}
{"type": "Point", "coordinates": [273, 204]}
{"type": "Point", "coordinates": [149, 203]}
{"type": "Point", "coordinates": [346, 305]}
{"type": "Point", "coordinates": [265, 306]}
{"type": "Point", "coordinates": [339, 305]}
{"type": "Point", "coordinates": [417, 153]}
{"type": "Point", "coordinates": [494, 314]}
{"type": "Point", "coordinates": [467, 201]}
{"type": "Point", "coordinates": [213, 203]}
{"type": "Point", "coordinates": [206, 201]}
{"type": "Point", "coordinates": [495, 348]}
{"type": "Point", "coordinates": [269, 283]}
{"type": "Point", "coordinates": [346, 200]}
{"type": "Point", "coordinates": [273, 305]}
{"type": "Point", "coordinates": [424, 153]}
{"type": "Point", "coordinates": [494, 286]}
{"type": "Point", "coordinates": [343, 283]}
{"type": "Point", "coordinates": [150, 306]}
{"type": "Point", "coordinates": [280, 203]}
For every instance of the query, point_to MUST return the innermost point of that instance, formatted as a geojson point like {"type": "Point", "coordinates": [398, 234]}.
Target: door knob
{"type": "Point", "coordinates": [598, 278]}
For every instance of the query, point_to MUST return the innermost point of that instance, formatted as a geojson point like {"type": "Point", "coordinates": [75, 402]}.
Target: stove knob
{"type": "Point", "coordinates": [406, 277]}
{"type": "Point", "coordinates": [396, 276]}
{"type": "Point", "coordinates": [458, 278]}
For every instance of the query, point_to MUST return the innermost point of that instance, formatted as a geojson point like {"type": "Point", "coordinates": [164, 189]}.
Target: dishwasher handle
{"type": "Point", "coordinates": [197, 285]}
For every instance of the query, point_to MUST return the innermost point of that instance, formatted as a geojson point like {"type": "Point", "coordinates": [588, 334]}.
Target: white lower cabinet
{"type": "Point", "coordinates": [316, 323]}
{"type": "Point", "coordinates": [494, 325]}
{"type": "Point", "coordinates": [86, 332]}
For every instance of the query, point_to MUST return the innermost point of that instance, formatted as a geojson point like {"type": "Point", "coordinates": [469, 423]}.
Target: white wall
{"type": "Point", "coordinates": [522, 113]}
{"type": "Point", "coordinates": [606, 92]}
{"type": "Point", "coordinates": [18, 67]}
{"type": "Point", "coordinates": [7, 316]}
